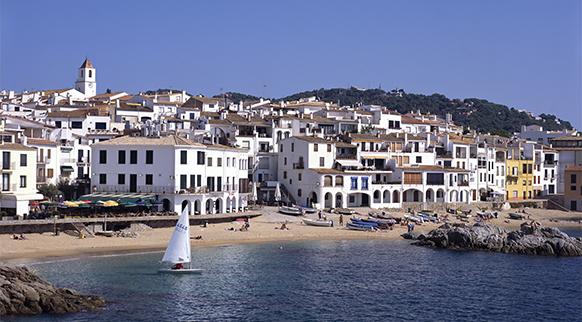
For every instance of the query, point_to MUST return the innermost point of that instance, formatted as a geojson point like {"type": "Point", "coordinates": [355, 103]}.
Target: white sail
{"type": "Point", "coordinates": [178, 250]}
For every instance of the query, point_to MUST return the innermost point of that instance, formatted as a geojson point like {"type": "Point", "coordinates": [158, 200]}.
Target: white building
{"type": "Point", "coordinates": [177, 172]}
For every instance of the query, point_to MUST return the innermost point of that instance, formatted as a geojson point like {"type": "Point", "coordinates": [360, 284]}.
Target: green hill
{"type": "Point", "coordinates": [472, 113]}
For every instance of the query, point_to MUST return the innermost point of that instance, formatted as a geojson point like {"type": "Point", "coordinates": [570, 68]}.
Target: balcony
{"type": "Point", "coordinates": [67, 160]}
{"type": "Point", "coordinates": [298, 165]}
{"type": "Point", "coordinates": [83, 160]}
{"type": "Point", "coordinates": [463, 183]}
{"type": "Point", "coordinates": [550, 164]}
{"type": "Point", "coordinates": [385, 182]}
{"type": "Point", "coordinates": [44, 160]}
{"type": "Point", "coordinates": [8, 166]}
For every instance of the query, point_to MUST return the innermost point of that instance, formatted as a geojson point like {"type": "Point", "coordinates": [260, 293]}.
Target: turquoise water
{"type": "Point", "coordinates": [327, 280]}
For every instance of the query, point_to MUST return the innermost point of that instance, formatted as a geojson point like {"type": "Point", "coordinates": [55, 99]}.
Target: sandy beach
{"type": "Point", "coordinates": [263, 229]}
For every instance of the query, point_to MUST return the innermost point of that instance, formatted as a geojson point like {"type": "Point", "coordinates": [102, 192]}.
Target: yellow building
{"type": "Point", "coordinates": [519, 182]}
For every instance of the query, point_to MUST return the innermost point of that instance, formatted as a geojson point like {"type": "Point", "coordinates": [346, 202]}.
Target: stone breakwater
{"type": "Point", "coordinates": [24, 292]}
{"type": "Point", "coordinates": [530, 239]}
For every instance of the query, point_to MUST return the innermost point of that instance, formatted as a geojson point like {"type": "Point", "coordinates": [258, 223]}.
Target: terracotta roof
{"type": "Point", "coordinates": [313, 139]}
{"type": "Point", "coordinates": [87, 64]}
{"type": "Point", "coordinates": [170, 140]}
{"type": "Point", "coordinates": [80, 113]}
{"type": "Point", "coordinates": [33, 141]}
{"type": "Point", "coordinates": [15, 146]}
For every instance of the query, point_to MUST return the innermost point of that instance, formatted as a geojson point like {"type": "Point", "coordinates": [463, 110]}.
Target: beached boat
{"type": "Point", "coordinates": [516, 216]}
{"type": "Point", "coordinates": [309, 210]}
{"type": "Point", "coordinates": [293, 211]}
{"type": "Point", "coordinates": [345, 211]}
{"type": "Point", "coordinates": [178, 251]}
{"type": "Point", "coordinates": [353, 226]}
{"type": "Point", "coordinates": [318, 223]}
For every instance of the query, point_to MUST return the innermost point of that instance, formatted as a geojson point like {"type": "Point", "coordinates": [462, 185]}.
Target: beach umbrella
{"type": "Point", "coordinates": [278, 192]}
{"type": "Point", "coordinates": [110, 203]}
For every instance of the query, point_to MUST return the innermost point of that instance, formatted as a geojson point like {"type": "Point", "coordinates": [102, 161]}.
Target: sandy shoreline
{"type": "Point", "coordinates": [42, 247]}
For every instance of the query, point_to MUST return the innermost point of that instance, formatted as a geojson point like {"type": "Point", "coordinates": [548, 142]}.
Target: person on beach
{"type": "Point", "coordinates": [319, 214]}
{"type": "Point", "coordinates": [341, 220]}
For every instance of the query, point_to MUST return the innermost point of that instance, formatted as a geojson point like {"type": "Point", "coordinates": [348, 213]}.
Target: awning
{"type": "Point", "coordinates": [349, 163]}
{"type": "Point", "coordinates": [67, 168]}
{"type": "Point", "coordinates": [122, 198]}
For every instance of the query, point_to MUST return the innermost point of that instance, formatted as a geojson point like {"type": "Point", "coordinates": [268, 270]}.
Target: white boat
{"type": "Point", "coordinates": [293, 211]}
{"type": "Point", "coordinates": [178, 251]}
{"type": "Point", "coordinates": [318, 223]}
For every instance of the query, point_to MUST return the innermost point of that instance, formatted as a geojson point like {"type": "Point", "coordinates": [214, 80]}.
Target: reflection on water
{"type": "Point", "coordinates": [327, 280]}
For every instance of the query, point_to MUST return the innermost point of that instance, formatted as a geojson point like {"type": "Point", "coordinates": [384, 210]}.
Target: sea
{"type": "Point", "coordinates": [351, 280]}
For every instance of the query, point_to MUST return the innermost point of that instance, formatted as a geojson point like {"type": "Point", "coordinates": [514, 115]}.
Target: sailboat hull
{"type": "Point", "coordinates": [180, 271]}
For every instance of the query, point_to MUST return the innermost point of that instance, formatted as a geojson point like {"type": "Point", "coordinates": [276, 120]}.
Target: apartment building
{"type": "Point", "coordinates": [573, 187]}
{"type": "Point", "coordinates": [177, 172]}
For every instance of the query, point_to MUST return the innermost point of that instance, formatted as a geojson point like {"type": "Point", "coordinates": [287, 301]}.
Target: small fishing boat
{"type": "Point", "coordinates": [516, 216]}
{"type": "Point", "coordinates": [345, 211]}
{"type": "Point", "coordinates": [318, 223]}
{"type": "Point", "coordinates": [352, 226]}
{"type": "Point", "coordinates": [293, 211]}
{"type": "Point", "coordinates": [178, 251]}
{"type": "Point", "coordinates": [309, 210]}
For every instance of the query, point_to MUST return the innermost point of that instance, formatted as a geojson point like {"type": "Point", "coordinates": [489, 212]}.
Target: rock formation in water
{"type": "Point", "coordinates": [531, 239]}
{"type": "Point", "coordinates": [24, 292]}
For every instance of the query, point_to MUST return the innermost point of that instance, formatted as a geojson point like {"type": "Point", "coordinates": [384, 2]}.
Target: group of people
{"type": "Point", "coordinates": [21, 237]}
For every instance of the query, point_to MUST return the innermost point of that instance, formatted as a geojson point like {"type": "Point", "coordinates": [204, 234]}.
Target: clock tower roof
{"type": "Point", "coordinates": [87, 64]}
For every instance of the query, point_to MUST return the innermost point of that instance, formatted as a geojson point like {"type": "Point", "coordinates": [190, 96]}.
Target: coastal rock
{"type": "Point", "coordinates": [531, 239]}
{"type": "Point", "coordinates": [23, 292]}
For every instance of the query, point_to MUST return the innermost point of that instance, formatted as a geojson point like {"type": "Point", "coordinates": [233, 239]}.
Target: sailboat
{"type": "Point", "coordinates": [178, 251]}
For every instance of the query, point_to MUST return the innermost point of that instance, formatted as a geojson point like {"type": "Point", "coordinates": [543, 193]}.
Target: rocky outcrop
{"type": "Point", "coordinates": [531, 239]}
{"type": "Point", "coordinates": [24, 292]}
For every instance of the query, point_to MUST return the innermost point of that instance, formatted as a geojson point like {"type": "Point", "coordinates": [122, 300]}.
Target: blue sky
{"type": "Point", "coordinates": [525, 54]}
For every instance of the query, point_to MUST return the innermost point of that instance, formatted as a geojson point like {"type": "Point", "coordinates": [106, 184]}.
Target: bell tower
{"type": "Point", "coordinates": [86, 83]}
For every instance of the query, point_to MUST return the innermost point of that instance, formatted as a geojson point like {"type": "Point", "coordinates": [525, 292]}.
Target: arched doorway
{"type": "Point", "coordinates": [184, 206]}
{"type": "Point", "coordinates": [454, 195]}
{"type": "Point", "coordinates": [396, 196]}
{"type": "Point", "coordinates": [218, 206]}
{"type": "Point", "coordinates": [430, 195]}
{"type": "Point", "coordinates": [386, 196]}
{"type": "Point", "coordinates": [328, 200]}
{"type": "Point", "coordinates": [412, 195]}
{"type": "Point", "coordinates": [377, 197]}
{"type": "Point", "coordinates": [209, 206]}
{"type": "Point", "coordinates": [312, 199]}
{"type": "Point", "coordinates": [166, 204]}
{"type": "Point", "coordinates": [339, 200]}
{"type": "Point", "coordinates": [440, 195]}
{"type": "Point", "coordinates": [197, 207]}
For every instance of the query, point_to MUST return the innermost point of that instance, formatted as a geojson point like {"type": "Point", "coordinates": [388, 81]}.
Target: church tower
{"type": "Point", "coordinates": [86, 83]}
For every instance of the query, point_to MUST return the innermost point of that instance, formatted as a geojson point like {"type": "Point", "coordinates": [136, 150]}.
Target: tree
{"type": "Point", "coordinates": [49, 191]}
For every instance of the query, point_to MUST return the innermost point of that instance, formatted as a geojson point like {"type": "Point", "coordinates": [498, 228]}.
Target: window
{"type": "Point", "coordinates": [90, 73]}
{"type": "Point", "coordinates": [100, 126]}
{"type": "Point", "coordinates": [183, 181]}
{"type": "Point", "coordinates": [418, 159]}
{"type": "Point", "coordinates": [198, 180]}
{"type": "Point", "coordinates": [573, 179]}
{"type": "Point", "coordinates": [329, 148]}
{"type": "Point", "coordinates": [228, 162]}
{"type": "Point", "coordinates": [133, 157]}
{"type": "Point", "coordinates": [219, 162]}
{"type": "Point", "coordinates": [102, 156]}
{"type": "Point", "coordinates": [299, 193]}
{"type": "Point", "coordinates": [58, 124]}
{"type": "Point", "coordinates": [23, 160]}
{"type": "Point", "coordinates": [192, 181]}
{"type": "Point", "coordinates": [76, 125]}
{"type": "Point", "coordinates": [364, 183]}
{"type": "Point", "coordinates": [315, 147]}
{"type": "Point", "coordinates": [285, 161]}
{"type": "Point", "coordinates": [200, 157]}
{"type": "Point", "coordinates": [292, 147]}
{"type": "Point", "coordinates": [299, 176]}
{"type": "Point", "coordinates": [184, 157]}
{"type": "Point", "coordinates": [354, 183]}
{"type": "Point", "coordinates": [321, 161]}
{"type": "Point", "coordinates": [209, 161]}
{"type": "Point", "coordinates": [22, 181]}
{"type": "Point", "coordinates": [284, 174]}
{"type": "Point", "coordinates": [102, 178]}
{"type": "Point", "coordinates": [149, 157]}
{"type": "Point", "coordinates": [121, 157]}
{"type": "Point", "coordinates": [149, 179]}
{"type": "Point", "coordinates": [121, 178]}
{"type": "Point", "coordinates": [5, 181]}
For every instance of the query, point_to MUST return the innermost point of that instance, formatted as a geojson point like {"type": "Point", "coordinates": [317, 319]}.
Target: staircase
{"type": "Point", "coordinates": [286, 196]}
{"type": "Point", "coordinates": [82, 229]}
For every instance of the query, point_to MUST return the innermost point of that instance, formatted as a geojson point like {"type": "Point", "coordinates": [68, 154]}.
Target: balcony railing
{"type": "Point", "coordinates": [463, 183]}
{"type": "Point", "coordinates": [167, 189]}
{"type": "Point", "coordinates": [298, 165]}
{"type": "Point", "coordinates": [44, 160]}
{"type": "Point", "coordinates": [68, 160]}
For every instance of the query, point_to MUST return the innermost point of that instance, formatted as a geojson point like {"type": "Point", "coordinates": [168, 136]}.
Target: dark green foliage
{"type": "Point", "coordinates": [237, 97]}
{"type": "Point", "coordinates": [472, 113]}
{"type": "Point", "coordinates": [49, 191]}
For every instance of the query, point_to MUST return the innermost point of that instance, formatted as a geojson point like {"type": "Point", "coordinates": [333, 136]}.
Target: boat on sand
{"type": "Point", "coordinates": [293, 211]}
{"type": "Point", "coordinates": [318, 223]}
